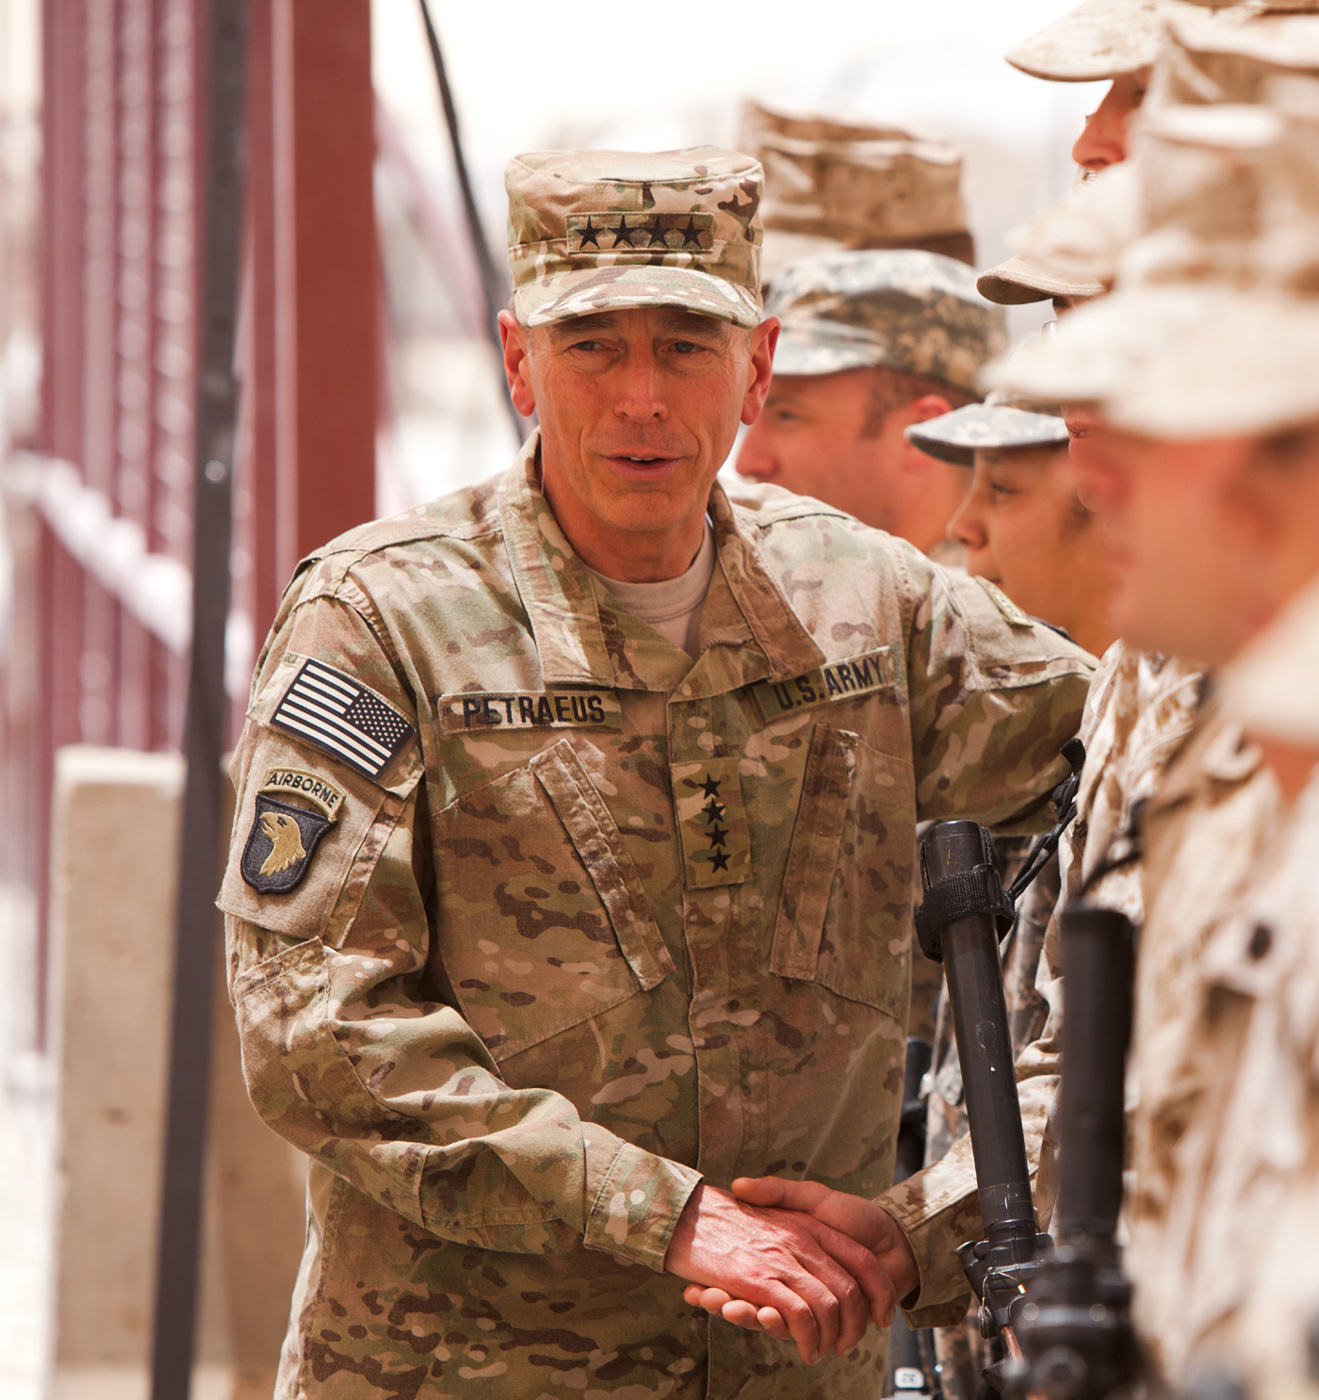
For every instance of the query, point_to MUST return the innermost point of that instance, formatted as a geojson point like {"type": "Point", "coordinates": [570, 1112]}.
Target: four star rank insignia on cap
{"type": "Point", "coordinates": [654, 232]}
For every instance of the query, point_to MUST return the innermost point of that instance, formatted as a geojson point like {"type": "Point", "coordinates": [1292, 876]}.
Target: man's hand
{"type": "Point", "coordinates": [818, 1286]}
{"type": "Point", "coordinates": [852, 1216]}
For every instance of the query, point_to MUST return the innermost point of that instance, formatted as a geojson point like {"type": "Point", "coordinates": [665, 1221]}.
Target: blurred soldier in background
{"type": "Point", "coordinates": [872, 342]}
{"type": "Point", "coordinates": [832, 186]}
{"type": "Point", "coordinates": [1100, 40]}
{"type": "Point", "coordinates": [1113, 40]}
{"type": "Point", "coordinates": [1202, 454]}
{"type": "Point", "coordinates": [552, 907]}
{"type": "Point", "coordinates": [1021, 523]}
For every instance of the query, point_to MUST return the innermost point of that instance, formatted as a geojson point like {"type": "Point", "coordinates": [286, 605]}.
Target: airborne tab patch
{"type": "Point", "coordinates": [280, 845]}
{"type": "Point", "coordinates": [839, 680]}
{"type": "Point", "coordinates": [309, 785]}
{"type": "Point", "coordinates": [475, 711]}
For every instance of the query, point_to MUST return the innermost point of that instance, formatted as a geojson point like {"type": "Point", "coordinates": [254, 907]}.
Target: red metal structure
{"type": "Point", "coordinates": [119, 252]}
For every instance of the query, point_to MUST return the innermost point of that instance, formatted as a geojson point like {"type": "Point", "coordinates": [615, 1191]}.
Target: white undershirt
{"type": "Point", "coordinates": [672, 606]}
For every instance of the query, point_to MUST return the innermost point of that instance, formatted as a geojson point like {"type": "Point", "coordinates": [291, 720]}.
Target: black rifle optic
{"type": "Point", "coordinates": [1075, 1328]}
{"type": "Point", "coordinates": [964, 914]}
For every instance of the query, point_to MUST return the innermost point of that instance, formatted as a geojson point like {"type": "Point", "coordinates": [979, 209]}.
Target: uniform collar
{"type": "Point", "coordinates": [1215, 753]}
{"type": "Point", "coordinates": [748, 620]}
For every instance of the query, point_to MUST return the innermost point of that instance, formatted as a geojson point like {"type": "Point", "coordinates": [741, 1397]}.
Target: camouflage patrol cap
{"type": "Point", "coordinates": [1072, 249]}
{"type": "Point", "coordinates": [913, 312]}
{"type": "Point", "coordinates": [1230, 55]}
{"type": "Point", "coordinates": [831, 185]}
{"type": "Point", "coordinates": [1213, 328]}
{"type": "Point", "coordinates": [1098, 39]}
{"type": "Point", "coordinates": [592, 231]}
{"type": "Point", "coordinates": [1004, 420]}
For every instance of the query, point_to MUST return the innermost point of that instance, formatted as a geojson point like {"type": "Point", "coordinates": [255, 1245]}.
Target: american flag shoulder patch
{"type": "Point", "coordinates": [343, 718]}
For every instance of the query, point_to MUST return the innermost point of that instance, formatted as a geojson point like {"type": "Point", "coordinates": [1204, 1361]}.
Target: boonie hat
{"type": "Point", "coordinates": [1213, 328]}
{"type": "Point", "coordinates": [592, 231]}
{"type": "Point", "coordinates": [913, 312]}
{"type": "Point", "coordinates": [832, 185]}
{"type": "Point", "coordinates": [1004, 420]}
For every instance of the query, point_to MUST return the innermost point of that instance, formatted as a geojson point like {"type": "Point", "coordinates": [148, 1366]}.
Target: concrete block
{"type": "Point", "coordinates": [116, 818]}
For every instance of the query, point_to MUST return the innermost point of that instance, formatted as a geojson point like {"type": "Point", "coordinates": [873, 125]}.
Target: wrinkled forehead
{"type": "Point", "coordinates": [634, 320]}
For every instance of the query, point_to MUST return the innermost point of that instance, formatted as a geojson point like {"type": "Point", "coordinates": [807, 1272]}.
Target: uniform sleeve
{"type": "Point", "coordinates": [351, 1049]}
{"type": "Point", "coordinates": [994, 695]}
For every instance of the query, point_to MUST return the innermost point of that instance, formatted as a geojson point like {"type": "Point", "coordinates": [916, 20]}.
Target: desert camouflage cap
{"type": "Point", "coordinates": [1230, 55]}
{"type": "Point", "coordinates": [1028, 277]}
{"type": "Point", "coordinates": [1096, 40]}
{"type": "Point", "coordinates": [914, 312]}
{"type": "Point", "coordinates": [1004, 420]}
{"type": "Point", "coordinates": [1072, 249]}
{"type": "Point", "coordinates": [1213, 328]}
{"type": "Point", "coordinates": [591, 231]}
{"type": "Point", "coordinates": [832, 184]}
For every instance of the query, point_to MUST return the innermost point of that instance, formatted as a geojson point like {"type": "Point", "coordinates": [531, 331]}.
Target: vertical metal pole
{"type": "Point", "coordinates": [185, 1130]}
{"type": "Point", "coordinates": [492, 284]}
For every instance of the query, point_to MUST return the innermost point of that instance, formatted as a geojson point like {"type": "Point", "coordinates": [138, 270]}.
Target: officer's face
{"type": "Point", "coordinates": [638, 411]}
{"type": "Point", "coordinates": [1024, 529]}
{"type": "Point", "coordinates": [1187, 571]}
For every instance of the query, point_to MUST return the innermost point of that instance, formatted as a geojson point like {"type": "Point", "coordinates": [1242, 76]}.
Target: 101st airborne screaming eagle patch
{"type": "Point", "coordinates": [284, 838]}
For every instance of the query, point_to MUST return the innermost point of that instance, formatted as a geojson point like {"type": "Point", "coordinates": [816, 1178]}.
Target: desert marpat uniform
{"type": "Point", "coordinates": [1208, 829]}
{"type": "Point", "coordinates": [605, 922]}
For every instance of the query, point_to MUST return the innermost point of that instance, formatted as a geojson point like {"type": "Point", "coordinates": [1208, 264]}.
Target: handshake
{"type": "Point", "coordinates": [792, 1259]}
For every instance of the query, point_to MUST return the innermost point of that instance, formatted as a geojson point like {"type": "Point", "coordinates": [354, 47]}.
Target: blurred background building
{"type": "Point", "coordinates": [368, 378]}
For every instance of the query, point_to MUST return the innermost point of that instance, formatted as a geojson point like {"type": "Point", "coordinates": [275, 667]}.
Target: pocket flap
{"type": "Point", "coordinates": [813, 856]}
{"type": "Point", "coordinates": [607, 860]}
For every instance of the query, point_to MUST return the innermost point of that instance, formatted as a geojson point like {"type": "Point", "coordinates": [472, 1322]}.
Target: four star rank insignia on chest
{"type": "Point", "coordinates": [716, 840]}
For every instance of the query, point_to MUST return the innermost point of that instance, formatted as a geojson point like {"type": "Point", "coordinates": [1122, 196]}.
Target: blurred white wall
{"type": "Point", "coordinates": [527, 79]}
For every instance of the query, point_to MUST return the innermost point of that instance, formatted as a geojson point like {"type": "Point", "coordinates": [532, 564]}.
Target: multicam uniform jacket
{"type": "Point", "coordinates": [590, 921]}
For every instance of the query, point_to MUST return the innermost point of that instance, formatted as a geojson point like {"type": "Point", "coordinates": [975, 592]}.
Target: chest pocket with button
{"type": "Point", "coordinates": [844, 917]}
{"type": "Point", "coordinates": [546, 922]}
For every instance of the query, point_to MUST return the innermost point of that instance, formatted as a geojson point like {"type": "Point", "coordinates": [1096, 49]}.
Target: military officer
{"type": "Point", "coordinates": [554, 906]}
{"type": "Point", "coordinates": [872, 342]}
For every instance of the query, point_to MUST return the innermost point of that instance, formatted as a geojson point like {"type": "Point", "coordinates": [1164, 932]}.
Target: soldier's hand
{"type": "Point", "coordinates": [854, 1216]}
{"type": "Point", "coordinates": [818, 1286]}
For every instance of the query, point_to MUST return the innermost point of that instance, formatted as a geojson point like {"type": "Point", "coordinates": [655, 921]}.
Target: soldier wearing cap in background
{"type": "Point", "coordinates": [1100, 40]}
{"type": "Point", "coordinates": [1203, 458]}
{"type": "Point", "coordinates": [832, 186]}
{"type": "Point", "coordinates": [1025, 532]}
{"type": "Point", "coordinates": [573, 850]}
{"type": "Point", "coordinates": [872, 342]}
